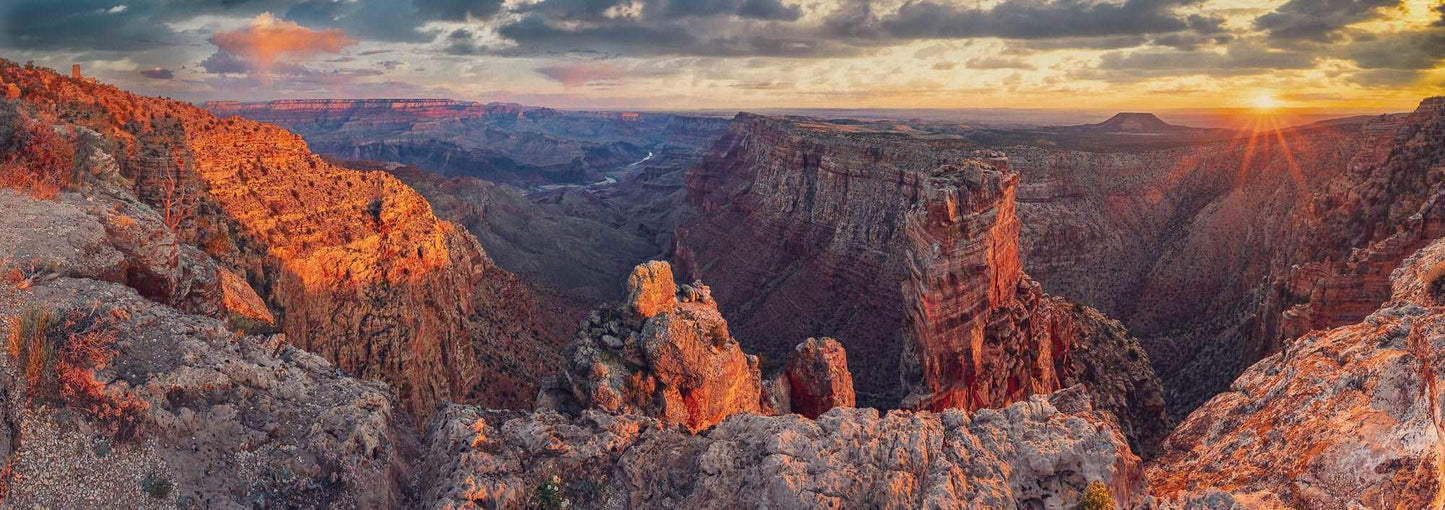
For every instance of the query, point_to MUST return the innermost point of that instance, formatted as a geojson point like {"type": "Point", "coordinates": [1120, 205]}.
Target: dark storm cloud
{"type": "Point", "coordinates": [1423, 49]}
{"type": "Point", "coordinates": [534, 34]}
{"type": "Point", "coordinates": [458, 10]}
{"type": "Point", "coordinates": [1240, 58]}
{"type": "Point", "coordinates": [158, 73]}
{"type": "Point", "coordinates": [1318, 20]}
{"type": "Point", "coordinates": [222, 62]}
{"type": "Point", "coordinates": [105, 25]}
{"type": "Point", "coordinates": [1038, 19]}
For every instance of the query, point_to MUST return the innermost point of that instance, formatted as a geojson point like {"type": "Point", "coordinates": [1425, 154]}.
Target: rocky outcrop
{"type": "Point", "coordinates": [354, 265]}
{"type": "Point", "coordinates": [1216, 254]}
{"type": "Point", "coordinates": [211, 416]}
{"type": "Point", "coordinates": [1038, 453]}
{"type": "Point", "coordinates": [1343, 418]}
{"type": "Point", "coordinates": [227, 420]}
{"type": "Point", "coordinates": [906, 251]}
{"type": "Point", "coordinates": [817, 378]}
{"type": "Point", "coordinates": [666, 353]}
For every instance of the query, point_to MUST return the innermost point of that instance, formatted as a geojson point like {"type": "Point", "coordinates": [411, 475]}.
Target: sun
{"type": "Point", "coordinates": [1265, 101]}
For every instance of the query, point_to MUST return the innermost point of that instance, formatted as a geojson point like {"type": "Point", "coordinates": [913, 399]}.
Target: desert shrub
{"type": "Point", "coordinates": [549, 495]}
{"type": "Point", "coordinates": [59, 357]}
{"type": "Point", "coordinates": [33, 157]}
{"type": "Point", "coordinates": [156, 486]}
{"type": "Point", "coordinates": [1097, 497]}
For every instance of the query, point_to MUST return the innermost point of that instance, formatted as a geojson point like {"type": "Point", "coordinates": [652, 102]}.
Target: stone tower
{"type": "Point", "coordinates": [75, 71]}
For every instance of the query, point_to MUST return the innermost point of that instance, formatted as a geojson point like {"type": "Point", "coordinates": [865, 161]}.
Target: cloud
{"type": "Point", "coordinates": [267, 40]}
{"type": "Point", "coordinates": [158, 73]}
{"type": "Point", "coordinates": [999, 63]}
{"type": "Point", "coordinates": [579, 74]}
{"type": "Point", "coordinates": [458, 10]}
{"type": "Point", "coordinates": [1037, 19]}
{"type": "Point", "coordinates": [1318, 20]}
{"type": "Point", "coordinates": [1239, 58]}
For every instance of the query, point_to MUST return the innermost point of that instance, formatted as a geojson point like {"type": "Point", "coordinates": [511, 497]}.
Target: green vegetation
{"type": "Point", "coordinates": [156, 486]}
{"type": "Point", "coordinates": [549, 495]}
{"type": "Point", "coordinates": [1097, 497]}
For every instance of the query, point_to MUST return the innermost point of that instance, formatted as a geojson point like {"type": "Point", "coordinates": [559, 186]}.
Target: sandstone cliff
{"type": "Point", "coordinates": [169, 406]}
{"type": "Point", "coordinates": [906, 251]}
{"type": "Point", "coordinates": [1342, 418]}
{"type": "Point", "coordinates": [353, 265]}
{"type": "Point", "coordinates": [1216, 254]}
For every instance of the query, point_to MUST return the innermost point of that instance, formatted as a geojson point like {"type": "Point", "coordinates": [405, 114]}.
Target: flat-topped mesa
{"type": "Point", "coordinates": [907, 250]}
{"type": "Point", "coordinates": [666, 353]}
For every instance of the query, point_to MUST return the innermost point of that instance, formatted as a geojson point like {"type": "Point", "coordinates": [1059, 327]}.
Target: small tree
{"type": "Point", "coordinates": [175, 201]}
{"type": "Point", "coordinates": [1097, 497]}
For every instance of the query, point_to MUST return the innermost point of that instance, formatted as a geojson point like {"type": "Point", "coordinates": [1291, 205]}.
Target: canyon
{"type": "Point", "coordinates": [467, 305]}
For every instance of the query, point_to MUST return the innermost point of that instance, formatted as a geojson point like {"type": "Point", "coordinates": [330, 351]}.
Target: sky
{"type": "Point", "coordinates": [1347, 55]}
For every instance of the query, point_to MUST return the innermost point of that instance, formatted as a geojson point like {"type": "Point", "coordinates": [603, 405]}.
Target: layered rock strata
{"type": "Point", "coordinates": [906, 251]}
{"type": "Point", "coordinates": [1341, 418]}
{"type": "Point", "coordinates": [353, 265]}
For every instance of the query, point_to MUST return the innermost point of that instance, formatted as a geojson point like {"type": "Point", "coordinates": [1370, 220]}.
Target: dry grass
{"type": "Point", "coordinates": [59, 357]}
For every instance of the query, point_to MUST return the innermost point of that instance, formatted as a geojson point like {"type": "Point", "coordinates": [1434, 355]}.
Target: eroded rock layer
{"type": "Point", "coordinates": [1342, 418]}
{"type": "Point", "coordinates": [353, 265]}
{"type": "Point", "coordinates": [906, 251]}
{"type": "Point", "coordinates": [846, 459]}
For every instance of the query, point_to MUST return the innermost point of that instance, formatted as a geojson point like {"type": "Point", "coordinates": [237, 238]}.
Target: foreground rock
{"type": "Point", "coordinates": [224, 420]}
{"type": "Point", "coordinates": [1344, 418]}
{"type": "Point", "coordinates": [1035, 454]}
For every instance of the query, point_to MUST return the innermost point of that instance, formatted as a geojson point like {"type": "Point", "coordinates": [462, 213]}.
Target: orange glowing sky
{"type": "Point", "coordinates": [1290, 56]}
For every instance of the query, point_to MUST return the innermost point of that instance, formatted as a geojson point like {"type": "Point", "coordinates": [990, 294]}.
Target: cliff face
{"type": "Point", "coordinates": [1217, 254]}
{"type": "Point", "coordinates": [163, 401]}
{"type": "Point", "coordinates": [353, 264]}
{"type": "Point", "coordinates": [905, 250]}
{"type": "Point", "coordinates": [1341, 418]}
{"type": "Point", "coordinates": [504, 143]}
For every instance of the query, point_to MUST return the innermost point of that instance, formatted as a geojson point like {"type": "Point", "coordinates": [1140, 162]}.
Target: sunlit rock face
{"type": "Point", "coordinates": [903, 249]}
{"type": "Point", "coordinates": [817, 377]}
{"type": "Point", "coordinates": [1039, 453]}
{"type": "Point", "coordinates": [1342, 418]}
{"type": "Point", "coordinates": [353, 265]}
{"type": "Point", "coordinates": [1216, 254]}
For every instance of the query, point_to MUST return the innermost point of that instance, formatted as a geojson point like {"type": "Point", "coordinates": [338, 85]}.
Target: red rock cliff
{"type": "Point", "coordinates": [906, 251]}
{"type": "Point", "coordinates": [353, 264]}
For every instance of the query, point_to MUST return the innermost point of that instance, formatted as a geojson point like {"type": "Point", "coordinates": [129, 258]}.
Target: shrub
{"type": "Point", "coordinates": [549, 495]}
{"type": "Point", "coordinates": [59, 358]}
{"type": "Point", "coordinates": [33, 157]}
{"type": "Point", "coordinates": [156, 486]}
{"type": "Point", "coordinates": [1097, 497]}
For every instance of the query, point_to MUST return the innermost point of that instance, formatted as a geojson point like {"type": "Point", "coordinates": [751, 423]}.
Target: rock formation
{"type": "Point", "coordinates": [1215, 254]}
{"type": "Point", "coordinates": [1343, 418]}
{"type": "Point", "coordinates": [906, 251]}
{"type": "Point", "coordinates": [817, 378]}
{"type": "Point", "coordinates": [666, 352]}
{"type": "Point", "coordinates": [353, 265]}
{"type": "Point", "coordinates": [1040, 453]}
{"type": "Point", "coordinates": [178, 408]}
